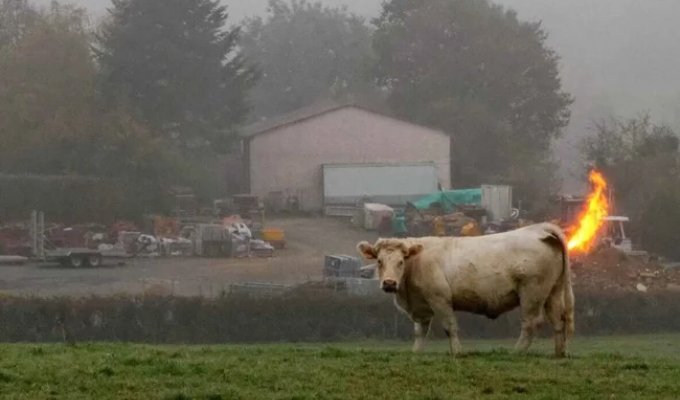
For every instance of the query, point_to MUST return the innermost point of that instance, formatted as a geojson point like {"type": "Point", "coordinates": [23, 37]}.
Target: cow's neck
{"type": "Point", "coordinates": [406, 285]}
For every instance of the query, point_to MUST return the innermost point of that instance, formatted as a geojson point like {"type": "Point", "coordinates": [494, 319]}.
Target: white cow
{"type": "Point", "coordinates": [488, 275]}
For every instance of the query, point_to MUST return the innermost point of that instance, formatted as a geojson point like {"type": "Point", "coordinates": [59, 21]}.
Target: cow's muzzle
{"type": "Point", "coordinates": [389, 286]}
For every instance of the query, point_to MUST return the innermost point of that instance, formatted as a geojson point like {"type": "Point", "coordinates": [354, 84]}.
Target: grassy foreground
{"type": "Point", "coordinates": [600, 368]}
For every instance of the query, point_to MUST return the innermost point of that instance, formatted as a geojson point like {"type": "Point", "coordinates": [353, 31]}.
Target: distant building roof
{"type": "Point", "coordinates": [309, 112]}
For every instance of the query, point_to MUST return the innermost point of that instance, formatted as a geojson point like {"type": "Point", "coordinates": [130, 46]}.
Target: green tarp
{"type": "Point", "coordinates": [399, 224]}
{"type": "Point", "coordinates": [450, 199]}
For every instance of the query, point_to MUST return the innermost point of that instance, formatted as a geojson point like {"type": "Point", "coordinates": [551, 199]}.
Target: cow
{"type": "Point", "coordinates": [489, 275]}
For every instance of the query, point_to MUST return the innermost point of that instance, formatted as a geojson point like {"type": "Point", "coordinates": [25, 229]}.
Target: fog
{"type": "Point", "coordinates": [617, 58]}
{"type": "Point", "coordinates": [243, 8]}
{"type": "Point", "coordinates": [278, 180]}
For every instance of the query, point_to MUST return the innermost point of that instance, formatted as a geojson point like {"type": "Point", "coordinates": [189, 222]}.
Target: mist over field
{"type": "Point", "coordinates": [193, 195]}
{"type": "Point", "coordinates": [617, 59]}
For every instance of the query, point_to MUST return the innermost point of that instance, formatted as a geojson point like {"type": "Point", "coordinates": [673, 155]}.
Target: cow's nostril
{"type": "Point", "coordinates": [389, 286]}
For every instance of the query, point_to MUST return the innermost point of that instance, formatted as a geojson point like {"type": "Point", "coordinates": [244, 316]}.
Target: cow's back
{"type": "Point", "coordinates": [486, 274]}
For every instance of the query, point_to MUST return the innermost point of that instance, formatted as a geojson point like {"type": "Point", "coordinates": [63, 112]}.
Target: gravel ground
{"type": "Point", "coordinates": [302, 260]}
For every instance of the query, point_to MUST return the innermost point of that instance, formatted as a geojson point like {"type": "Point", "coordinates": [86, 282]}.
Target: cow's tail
{"type": "Point", "coordinates": [568, 293]}
{"type": "Point", "coordinates": [563, 284]}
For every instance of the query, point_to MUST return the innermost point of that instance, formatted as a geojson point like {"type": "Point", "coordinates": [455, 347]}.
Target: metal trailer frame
{"type": "Point", "coordinates": [67, 257]}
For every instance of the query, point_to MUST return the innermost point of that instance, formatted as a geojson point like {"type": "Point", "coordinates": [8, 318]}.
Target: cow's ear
{"type": "Point", "coordinates": [367, 250]}
{"type": "Point", "coordinates": [414, 250]}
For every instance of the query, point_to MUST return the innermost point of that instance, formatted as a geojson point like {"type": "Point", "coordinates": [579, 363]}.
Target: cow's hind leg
{"type": "Point", "coordinates": [421, 329]}
{"type": "Point", "coordinates": [531, 319]}
{"type": "Point", "coordinates": [554, 311]}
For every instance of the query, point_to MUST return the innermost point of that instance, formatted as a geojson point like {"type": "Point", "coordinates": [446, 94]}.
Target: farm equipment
{"type": "Point", "coordinates": [461, 212]}
{"type": "Point", "coordinates": [247, 206]}
{"type": "Point", "coordinates": [435, 223]}
{"type": "Point", "coordinates": [212, 240]}
{"type": "Point", "coordinates": [44, 250]}
{"type": "Point", "coordinates": [251, 209]}
{"type": "Point", "coordinates": [615, 234]}
{"type": "Point", "coordinates": [276, 237]}
{"type": "Point", "coordinates": [75, 257]}
{"type": "Point", "coordinates": [342, 266]}
{"type": "Point", "coordinates": [447, 213]}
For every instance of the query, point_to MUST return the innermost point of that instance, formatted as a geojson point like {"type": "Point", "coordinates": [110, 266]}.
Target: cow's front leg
{"type": "Point", "coordinates": [444, 312]}
{"type": "Point", "coordinates": [421, 329]}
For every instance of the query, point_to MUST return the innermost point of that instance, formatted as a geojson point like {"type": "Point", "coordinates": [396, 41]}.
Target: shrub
{"type": "Point", "coordinates": [299, 317]}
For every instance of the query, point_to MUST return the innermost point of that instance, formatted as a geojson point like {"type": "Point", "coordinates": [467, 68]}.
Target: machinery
{"type": "Point", "coordinates": [43, 250]}
{"type": "Point", "coordinates": [212, 240]}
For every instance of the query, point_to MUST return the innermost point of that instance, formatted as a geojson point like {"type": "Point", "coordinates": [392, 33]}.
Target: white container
{"type": "Point", "coordinates": [393, 184]}
{"type": "Point", "coordinates": [374, 214]}
{"type": "Point", "coordinates": [497, 200]}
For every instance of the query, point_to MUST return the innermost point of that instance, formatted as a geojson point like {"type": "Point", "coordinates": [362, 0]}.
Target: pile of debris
{"type": "Point", "coordinates": [159, 236]}
{"type": "Point", "coordinates": [611, 270]}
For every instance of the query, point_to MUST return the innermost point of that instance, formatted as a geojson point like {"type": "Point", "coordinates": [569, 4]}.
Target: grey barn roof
{"type": "Point", "coordinates": [309, 112]}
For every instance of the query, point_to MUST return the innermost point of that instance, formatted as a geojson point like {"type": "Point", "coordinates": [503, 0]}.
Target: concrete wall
{"type": "Point", "coordinates": [289, 158]}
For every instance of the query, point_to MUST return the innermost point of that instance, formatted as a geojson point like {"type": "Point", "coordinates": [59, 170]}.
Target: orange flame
{"type": "Point", "coordinates": [591, 218]}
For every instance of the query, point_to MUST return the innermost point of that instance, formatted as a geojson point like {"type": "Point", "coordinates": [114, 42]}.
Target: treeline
{"type": "Point", "coordinates": [642, 161]}
{"type": "Point", "coordinates": [159, 86]}
{"type": "Point", "coordinates": [298, 317]}
{"type": "Point", "coordinates": [56, 118]}
{"type": "Point", "coordinates": [153, 94]}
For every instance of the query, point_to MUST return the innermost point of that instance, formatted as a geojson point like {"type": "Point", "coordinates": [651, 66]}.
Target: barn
{"type": "Point", "coordinates": [285, 158]}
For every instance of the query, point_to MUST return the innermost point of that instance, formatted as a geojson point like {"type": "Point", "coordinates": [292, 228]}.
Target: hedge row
{"type": "Point", "coordinates": [74, 200]}
{"type": "Point", "coordinates": [300, 317]}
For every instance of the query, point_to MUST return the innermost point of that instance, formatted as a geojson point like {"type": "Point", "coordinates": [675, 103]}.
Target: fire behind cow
{"type": "Point", "coordinates": [488, 275]}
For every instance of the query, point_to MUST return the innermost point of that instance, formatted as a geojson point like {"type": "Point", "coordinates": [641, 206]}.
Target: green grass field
{"type": "Point", "coordinates": [599, 368]}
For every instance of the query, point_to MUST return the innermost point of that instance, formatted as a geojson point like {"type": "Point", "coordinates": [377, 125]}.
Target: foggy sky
{"type": "Point", "coordinates": [619, 57]}
{"type": "Point", "coordinates": [240, 8]}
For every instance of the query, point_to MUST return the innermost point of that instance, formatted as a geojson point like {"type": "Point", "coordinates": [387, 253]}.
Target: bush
{"type": "Point", "coordinates": [299, 317]}
{"type": "Point", "coordinates": [659, 224]}
{"type": "Point", "coordinates": [74, 200]}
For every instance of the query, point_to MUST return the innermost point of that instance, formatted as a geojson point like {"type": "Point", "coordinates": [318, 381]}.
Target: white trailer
{"type": "Point", "coordinates": [68, 257]}
{"type": "Point", "coordinates": [344, 185]}
{"type": "Point", "coordinates": [497, 200]}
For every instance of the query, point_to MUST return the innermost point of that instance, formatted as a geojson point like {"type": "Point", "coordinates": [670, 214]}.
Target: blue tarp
{"type": "Point", "coordinates": [450, 199]}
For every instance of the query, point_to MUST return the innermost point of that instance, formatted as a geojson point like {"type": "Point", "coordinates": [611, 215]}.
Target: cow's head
{"type": "Point", "coordinates": [391, 256]}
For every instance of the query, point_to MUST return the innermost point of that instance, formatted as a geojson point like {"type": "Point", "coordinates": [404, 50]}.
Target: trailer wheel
{"type": "Point", "coordinates": [76, 261]}
{"type": "Point", "coordinates": [94, 260]}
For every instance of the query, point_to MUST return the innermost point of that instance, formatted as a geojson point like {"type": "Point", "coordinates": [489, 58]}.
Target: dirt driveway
{"type": "Point", "coordinates": [308, 241]}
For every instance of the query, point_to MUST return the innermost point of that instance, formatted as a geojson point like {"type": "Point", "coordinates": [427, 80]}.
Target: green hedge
{"type": "Point", "coordinates": [74, 200]}
{"type": "Point", "coordinates": [300, 317]}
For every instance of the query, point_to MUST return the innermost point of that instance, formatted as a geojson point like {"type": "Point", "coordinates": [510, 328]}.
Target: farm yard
{"type": "Point", "coordinates": [308, 240]}
{"type": "Point", "coordinates": [204, 300]}
{"type": "Point", "coordinates": [68, 332]}
{"type": "Point", "coordinates": [636, 367]}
